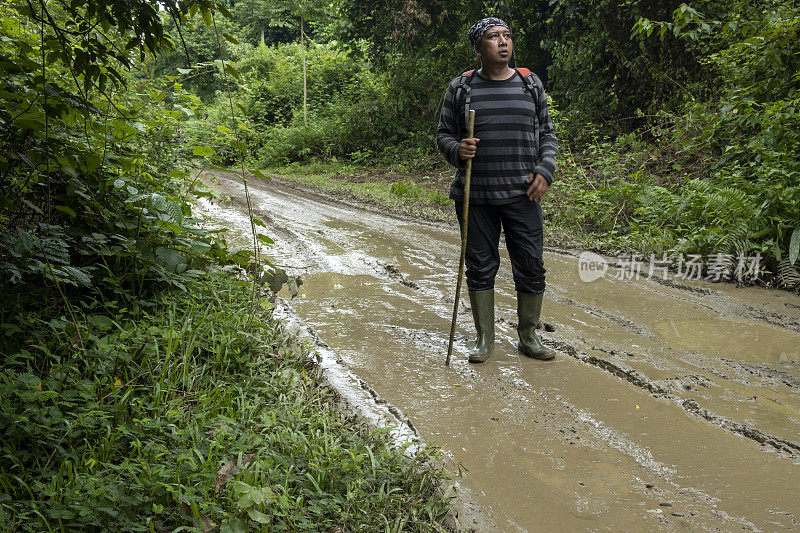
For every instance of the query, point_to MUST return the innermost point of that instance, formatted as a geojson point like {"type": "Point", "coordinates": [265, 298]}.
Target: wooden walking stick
{"type": "Point", "coordinates": [465, 219]}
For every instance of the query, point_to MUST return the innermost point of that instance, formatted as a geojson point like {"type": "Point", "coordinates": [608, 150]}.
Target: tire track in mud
{"type": "Point", "coordinates": [601, 433]}
{"type": "Point", "coordinates": [787, 448]}
{"type": "Point", "coordinates": [792, 449]}
{"type": "Point", "coordinates": [690, 405]}
{"type": "Point", "coordinates": [766, 373]}
{"type": "Point", "coordinates": [599, 313]}
{"type": "Point", "coordinates": [570, 433]}
{"type": "Point", "coordinates": [775, 319]}
{"type": "Point", "coordinates": [381, 269]}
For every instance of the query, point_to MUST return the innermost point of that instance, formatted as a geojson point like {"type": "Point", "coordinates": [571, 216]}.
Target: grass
{"type": "Point", "coordinates": [190, 413]}
{"type": "Point", "coordinates": [404, 196]}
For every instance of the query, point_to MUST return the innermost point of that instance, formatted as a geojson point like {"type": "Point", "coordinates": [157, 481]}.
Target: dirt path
{"type": "Point", "coordinates": [667, 407]}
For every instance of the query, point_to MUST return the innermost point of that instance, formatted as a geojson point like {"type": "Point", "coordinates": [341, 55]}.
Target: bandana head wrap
{"type": "Point", "coordinates": [479, 28]}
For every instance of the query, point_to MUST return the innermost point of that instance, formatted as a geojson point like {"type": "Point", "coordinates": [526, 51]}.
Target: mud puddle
{"type": "Point", "coordinates": [665, 407]}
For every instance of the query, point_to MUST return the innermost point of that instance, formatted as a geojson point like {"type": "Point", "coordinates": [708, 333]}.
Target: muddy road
{"type": "Point", "coordinates": [667, 406]}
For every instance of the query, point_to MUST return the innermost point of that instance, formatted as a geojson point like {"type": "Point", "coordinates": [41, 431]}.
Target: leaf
{"type": "Point", "coordinates": [263, 239]}
{"type": "Point", "coordinates": [32, 206]}
{"type": "Point", "coordinates": [230, 38]}
{"type": "Point", "coordinates": [235, 526]}
{"type": "Point", "coordinates": [204, 151]}
{"type": "Point", "coordinates": [224, 10]}
{"type": "Point", "coordinates": [260, 174]}
{"type": "Point", "coordinates": [66, 210]}
{"type": "Point", "coordinates": [173, 208]}
{"type": "Point", "coordinates": [258, 516]}
{"type": "Point", "coordinates": [794, 246]}
{"type": "Point", "coordinates": [101, 322]}
{"type": "Point", "coordinates": [248, 497]}
{"type": "Point", "coordinates": [231, 70]}
{"type": "Point", "coordinates": [90, 162]}
{"type": "Point", "coordinates": [74, 275]}
{"type": "Point", "coordinates": [178, 174]}
{"type": "Point", "coordinates": [199, 247]}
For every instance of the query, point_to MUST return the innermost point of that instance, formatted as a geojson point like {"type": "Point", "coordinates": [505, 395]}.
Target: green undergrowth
{"type": "Point", "coordinates": [191, 413]}
{"type": "Point", "coordinates": [629, 195]}
{"type": "Point", "coordinates": [405, 196]}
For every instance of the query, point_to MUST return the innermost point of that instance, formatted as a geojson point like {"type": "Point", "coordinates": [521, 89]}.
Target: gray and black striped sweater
{"type": "Point", "coordinates": [504, 123]}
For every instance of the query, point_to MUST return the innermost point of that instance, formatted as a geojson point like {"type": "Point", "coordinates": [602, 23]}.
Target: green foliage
{"type": "Point", "coordinates": [600, 74]}
{"type": "Point", "coordinates": [90, 195]}
{"type": "Point", "coordinates": [751, 196]}
{"type": "Point", "coordinates": [194, 411]}
{"type": "Point", "coordinates": [417, 46]}
{"type": "Point", "coordinates": [715, 169]}
{"type": "Point", "coordinates": [350, 110]}
{"type": "Point", "coordinates": [95, 41]}
{"type": "Point", "coordinates": [410, 190]}
{"type": "Point", "coordinates": [251, 23]}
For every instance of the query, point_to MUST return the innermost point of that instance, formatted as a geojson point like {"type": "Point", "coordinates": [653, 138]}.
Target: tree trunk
{"type": "Point", "coordinates": [305, 88]}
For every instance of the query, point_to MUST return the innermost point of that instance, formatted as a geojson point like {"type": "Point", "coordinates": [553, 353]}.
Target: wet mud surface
{"type": "Point", "coordinates": [668, 406]}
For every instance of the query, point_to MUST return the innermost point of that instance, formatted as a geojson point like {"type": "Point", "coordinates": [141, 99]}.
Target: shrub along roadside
{"type": "Point", "coordinates": [193, 413]}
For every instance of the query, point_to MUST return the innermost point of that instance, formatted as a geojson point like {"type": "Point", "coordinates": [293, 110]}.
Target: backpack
{"type": "Point", "coordinates": [532, 83]}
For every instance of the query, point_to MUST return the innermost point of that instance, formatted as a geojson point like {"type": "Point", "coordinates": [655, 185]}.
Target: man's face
{"type": "Point", "coordinates": [496, 45]}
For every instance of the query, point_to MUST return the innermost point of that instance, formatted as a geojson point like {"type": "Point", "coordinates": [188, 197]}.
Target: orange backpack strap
{"type": "Point", "coordinates": [468, 73]}
{"type": "Point", "coordinates": [524, 72]}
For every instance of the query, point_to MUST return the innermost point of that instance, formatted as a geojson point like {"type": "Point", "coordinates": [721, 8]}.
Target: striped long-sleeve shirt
{"type": "Point", "coordinates": [505, 125]}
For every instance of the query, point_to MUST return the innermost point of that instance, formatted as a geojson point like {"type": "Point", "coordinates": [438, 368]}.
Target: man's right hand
{"type": "Point", "coordinates": [468, 148]}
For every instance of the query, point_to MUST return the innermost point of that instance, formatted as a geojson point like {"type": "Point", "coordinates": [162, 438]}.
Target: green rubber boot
{"type": "Point", "coordinates": [529, 307]}
{"type": "Point", "coordinates": [482, 303]}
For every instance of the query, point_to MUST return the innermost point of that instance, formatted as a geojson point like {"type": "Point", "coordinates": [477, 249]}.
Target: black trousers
{"type": "Point", "coordinates": [522, 222]}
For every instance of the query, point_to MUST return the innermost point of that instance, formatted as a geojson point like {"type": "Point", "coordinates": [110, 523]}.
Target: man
{"type": "Point", "coordinates": [510, 175]}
